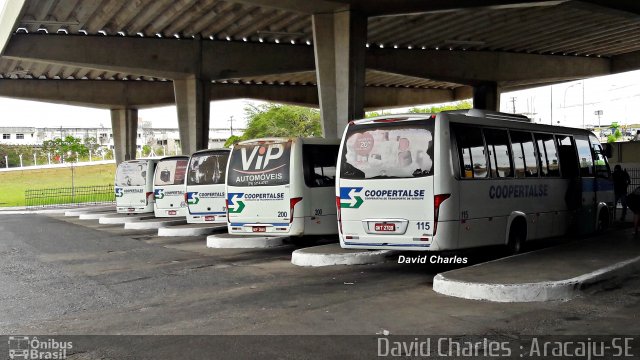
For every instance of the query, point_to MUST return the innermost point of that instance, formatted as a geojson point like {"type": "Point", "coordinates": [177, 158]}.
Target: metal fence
{"type": "Point", "coordinates": [69, 196]}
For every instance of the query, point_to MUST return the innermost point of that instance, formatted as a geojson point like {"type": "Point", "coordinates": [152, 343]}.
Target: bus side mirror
{"type": "Point", "coordinates": [608, 150]}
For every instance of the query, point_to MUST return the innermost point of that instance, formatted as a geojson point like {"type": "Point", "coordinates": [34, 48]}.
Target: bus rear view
{"type": "Point", "coordinates": [134, 186]}
{"type": "Point", "coordinates": [385, 186]}
{"type": "Point", "coordinates": [169, 187]}
{"type": "Point", "coordinates": [259, 197]}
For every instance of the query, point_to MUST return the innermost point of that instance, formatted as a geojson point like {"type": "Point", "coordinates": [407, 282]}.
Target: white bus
{"type": "Point", "coordinates": [134, 186]}
{"type": "Point", "coordinates": [168, 186]}
{"type": "Point", "coordinates": [205, 196]}
{"type": "Point", "coordinates": [282, 186]}
{"type": "Point", "coordinates": [465, 179]}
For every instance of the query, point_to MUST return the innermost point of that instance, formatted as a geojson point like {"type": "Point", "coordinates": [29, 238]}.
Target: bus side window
{"type": "Point", "coordinates": [499, 156]}
{"type": "Point", "coordinates": [567, 156]}
{"type": "Point", "coordinates": [548, 155]}
{"type": "Point", "coordinates": [525, 156]}
{"type": "Point", "coordinates": [584, 157]}
{"type": "Point", "coordinates": [600, 160]}
{"type": "Point", "coordinates": [471, 151]}
{"type": "Point", "coordinates": [319, 164]}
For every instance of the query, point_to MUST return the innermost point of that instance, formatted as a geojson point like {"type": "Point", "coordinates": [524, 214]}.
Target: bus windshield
{"type": "Point", "coordinates": [132, 173]}
{"type": "Point", "coordinates": [171, 172]}
{"type": "Point", "coordinates": [388, 150]}
{"type": "Point", "coordinates": [260, 164]}
{"type": "Point", "coordinates": [207, 168]}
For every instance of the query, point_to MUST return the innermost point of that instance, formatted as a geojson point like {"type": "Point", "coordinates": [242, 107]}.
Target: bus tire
{"type": "Point", "coordinates": [603, 221]}
{"type": "Point", "coordinates": [517, 236]}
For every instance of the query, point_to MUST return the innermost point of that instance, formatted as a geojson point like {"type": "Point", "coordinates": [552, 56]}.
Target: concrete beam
{"type": "Point", "coordinates": [339, 46]}
{"type": "Point", "coordinates": [124, 124]}
{"type": "Point", "coordinates": [162, 58]}
{"type": "Point", "coordinates": [471, 67]}
{"type": "Point", "coordinates": [106, 94]}
{"type": "Point", "coordinates": [392, 7]}
{"type": "Point", "coordinates": [111, 94]}
{"type": "Point", "coordinates": [192, 103]}
{"type": "Point", "coordinates": [625, 62]}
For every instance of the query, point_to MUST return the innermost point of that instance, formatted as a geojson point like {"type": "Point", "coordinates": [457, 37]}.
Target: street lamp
{"type": "Point", "coordinates": [564, 101]}
{"type": "Point", "coordinates": [599, 113]}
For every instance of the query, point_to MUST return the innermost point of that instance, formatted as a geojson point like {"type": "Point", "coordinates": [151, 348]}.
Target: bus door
{"type": "Point", "coordinates": [319, 166]}
{"type": "Point", "coordinates": [604, 182]}
{"type": "Point", "coordinates": [586, 217]}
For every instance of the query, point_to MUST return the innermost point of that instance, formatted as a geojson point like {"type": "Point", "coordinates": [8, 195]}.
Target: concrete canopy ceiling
{"type": "Point", "coordinates": [412, 44]}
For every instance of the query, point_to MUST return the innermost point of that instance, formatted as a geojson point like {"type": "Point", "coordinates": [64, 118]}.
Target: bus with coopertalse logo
{"type": "Point", "coordinates": [466, 179]}
{"type": "Point", "coordinates": [205, 196]}
{"type": "Point", "coordinates": [282, 186]}
{"type": "Point", "coordinates": [134, 186]}
{"type": "Point", "coordinates": [168, 186]}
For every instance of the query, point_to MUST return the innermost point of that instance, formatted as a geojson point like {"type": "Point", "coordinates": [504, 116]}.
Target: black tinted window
{"type": "Point", "coordinates": [319, 163]}
{"type": "Point", "coordinates": [207, 168]}
{"type": "Point", "coordinates": [499, 157]}
{"type": "Point", "coordinates": [584, 157]}
{"type": "Point", "coordinates": [473, 162]}
{"type": "Point", "coordinates": [524, 154]}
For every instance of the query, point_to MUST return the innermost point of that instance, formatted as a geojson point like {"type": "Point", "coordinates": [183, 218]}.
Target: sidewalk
{"type": "Point", "coordinates": [556, 273]}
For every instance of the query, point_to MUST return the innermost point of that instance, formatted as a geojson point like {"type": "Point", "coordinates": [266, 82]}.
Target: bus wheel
{"type": "Point", "coordinates": [517, 237]}
{"type": "Point", "coordinates": [603, 221]}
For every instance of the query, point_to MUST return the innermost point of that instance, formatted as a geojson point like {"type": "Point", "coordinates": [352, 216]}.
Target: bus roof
{"type": "Point", "coordinates": [210, 150]}
{"type": "Point", "coordinates": [174, 157]}
{"type": "Point", "coordinates": [491, 118]}
{"type": "Point", "coordinates": [310, 140]}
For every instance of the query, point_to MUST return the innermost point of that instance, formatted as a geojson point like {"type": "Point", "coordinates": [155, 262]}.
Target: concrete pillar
{"type": "Point", "coordinates": [340, 45]}
{"type": "Point", "coordinates": [124, 125]}
{"type": "Point", "coordinates": [192, 102]}
{"type": "Point", "coordinates": [486, 96]}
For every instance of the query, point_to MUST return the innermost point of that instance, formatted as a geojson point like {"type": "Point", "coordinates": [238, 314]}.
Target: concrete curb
{"type": "Point", "coordinates": [186, 231]}
{"type": "Point", "coordinates": [531, 292]}
{"type": "Point", "coordinates": [224, 241]}
{"type": "Point", "coordinates": [306, 257]}
{"type": "Point", "coordinates": [148, 225]}
{"type": "Point", "coordinates": [114, 219]}
{"type": "Point", "coordinates": [93, 215]}
{"type": "Point", "coordinates": [78, 212]}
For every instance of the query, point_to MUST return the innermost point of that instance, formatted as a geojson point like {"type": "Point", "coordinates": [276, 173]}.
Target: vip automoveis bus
{"type": "Point", "coordinates": [134, 186]}
{"type": "Point", "coordinates": [206, 201]}
{"type": "Point", "coordinates": [467, 178]}
{"type": "Point", "coordinates": [168, 186]}
{"type": "Point", "coordinates": [282, 186]}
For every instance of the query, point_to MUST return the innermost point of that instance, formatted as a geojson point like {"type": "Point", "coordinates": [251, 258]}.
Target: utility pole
{"type": "Point", "coordinates": [513, 104]}
{"type": "Point", "coordinates": [231, 121]}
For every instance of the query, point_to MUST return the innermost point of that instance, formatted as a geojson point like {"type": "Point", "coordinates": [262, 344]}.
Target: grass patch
{"type": "Point", "coordinates": [14, 183]}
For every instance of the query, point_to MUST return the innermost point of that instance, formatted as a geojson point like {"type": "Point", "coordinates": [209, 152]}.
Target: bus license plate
{"type": "Point", "coordinates": [259, 229]}
{"type": "Point", "coordinates": [384, 227]}
{"type": "Point", "coordinates": [172, 212]}
{"type": "Point", "coordinates": [209, 218]}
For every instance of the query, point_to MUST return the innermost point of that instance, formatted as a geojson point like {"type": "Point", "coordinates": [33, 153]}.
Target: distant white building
{"type": "Point", "coordinates": [166, 138]}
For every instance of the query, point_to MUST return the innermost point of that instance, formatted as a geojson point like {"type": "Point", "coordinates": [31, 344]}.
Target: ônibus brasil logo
{"type": "Point", "coordinates": [158, 193]}
{"type": "Point", "coordinates": [349, 197]}
{"type": "Point", "coordinates": [235, 205]}
{"type": "Point", "coordinates": [193, 198]}
{"type": "Point", "coordinates": [119, 192]}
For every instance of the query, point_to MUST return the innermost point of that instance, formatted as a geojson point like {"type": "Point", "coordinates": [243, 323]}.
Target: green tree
{"type": "Point", "coordinates": [274, 120]}
{"type": "Point", "coordinates": [146, 150]}
{"type": "Point", "coordinates": [69, 147]}
{"type": "Point", "coordinates": [460, 105]}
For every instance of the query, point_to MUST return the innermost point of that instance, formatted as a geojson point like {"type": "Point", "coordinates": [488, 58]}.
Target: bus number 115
{"type": "Point", "coordinates": [424, 225]}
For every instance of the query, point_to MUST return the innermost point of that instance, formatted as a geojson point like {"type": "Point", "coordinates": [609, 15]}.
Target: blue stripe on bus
{"type": "Point", "coordinates": [369, 244]}
{"type": "Point", "coordinates": [262, 224]}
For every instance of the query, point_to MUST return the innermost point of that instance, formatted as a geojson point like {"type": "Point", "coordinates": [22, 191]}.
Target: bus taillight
{"type": "Point", "coordinates": [292, 204]}
{"type": "Point", "coordinates": [437, 201]}
{"type": "Point", "coordinates": [339, 213]}
{"type": "Point", "coordinates": [148, 197]}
